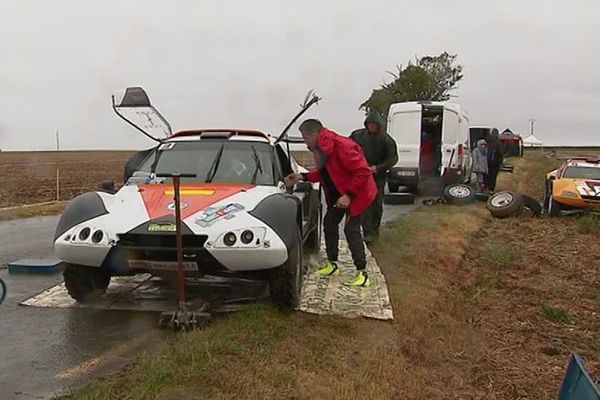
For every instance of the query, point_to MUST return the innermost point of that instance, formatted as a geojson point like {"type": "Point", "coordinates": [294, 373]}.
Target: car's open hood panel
{"type": "Point", "coordinates": [158, 199]}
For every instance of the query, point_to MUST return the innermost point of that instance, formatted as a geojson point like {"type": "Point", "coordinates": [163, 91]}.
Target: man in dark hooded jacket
{"type": "Point", "coordinates": [495, 159]}
{"type": "Point", "coordinates": [382, 154]}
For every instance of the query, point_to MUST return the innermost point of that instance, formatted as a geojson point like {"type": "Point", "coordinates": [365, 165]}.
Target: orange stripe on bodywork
{"type": "Point", "coordinates": [158, 199]}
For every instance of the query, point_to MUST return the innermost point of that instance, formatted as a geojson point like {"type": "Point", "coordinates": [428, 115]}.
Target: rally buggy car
{"type": "Point", "coordinates": [573, 186]}
{"type": "Point", "coordinates": [238, 217]}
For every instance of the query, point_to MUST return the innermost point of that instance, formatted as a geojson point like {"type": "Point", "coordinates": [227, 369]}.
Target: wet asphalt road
{"type": "Point", "coordinates": [44, 352]}
{"type": "Point", "coordinates": [49, 351]}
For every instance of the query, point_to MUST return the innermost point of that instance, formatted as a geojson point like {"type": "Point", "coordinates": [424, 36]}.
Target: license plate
{"type": "Point", "coordinates": [161, 265]}
{"type": "Point", "coordinates": [406, 173]}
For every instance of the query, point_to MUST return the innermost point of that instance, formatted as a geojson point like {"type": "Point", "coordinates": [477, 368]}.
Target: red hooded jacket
{"type": "Point", "coordinates": [348, 169]}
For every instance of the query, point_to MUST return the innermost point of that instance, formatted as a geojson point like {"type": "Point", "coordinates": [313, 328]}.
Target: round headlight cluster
{"type": "Point", "coordinates": [229, 239]}
{"type": "Point", "coordinates": [84, 234]}
{"type": "Point", "coordinates": [97, 236]}
{"type": "Point", "coordinates": [247, 236]}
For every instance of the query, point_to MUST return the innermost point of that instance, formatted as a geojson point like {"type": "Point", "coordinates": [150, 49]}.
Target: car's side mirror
{"type": "Point", "coordinates": [303, 187]}
{"type": "Point", "coordinates": [109, 186]}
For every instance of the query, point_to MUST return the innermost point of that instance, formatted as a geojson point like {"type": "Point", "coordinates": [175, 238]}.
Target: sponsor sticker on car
{"type": "Point", "coordinates": [213, 214]}
{"type": "Point", "coordinates": [161, 265]}
{"type": "Point", "coordinates": [168, 227]}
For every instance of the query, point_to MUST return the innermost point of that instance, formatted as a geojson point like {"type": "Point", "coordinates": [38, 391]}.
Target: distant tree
{"type": "Point", "coordinates": [428, 78]}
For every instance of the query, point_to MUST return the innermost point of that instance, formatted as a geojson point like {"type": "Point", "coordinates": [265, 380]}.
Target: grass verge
{"type": "Point", "coordinates": [480, 312]}
{"type": "Point", "coordinates": [32, 211]}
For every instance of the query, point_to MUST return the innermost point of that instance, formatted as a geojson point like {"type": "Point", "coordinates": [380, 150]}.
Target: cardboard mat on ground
{"type": "Point", "coordinates": [319, 295]}
{"type": "Point", "coordinates": [330, 296]}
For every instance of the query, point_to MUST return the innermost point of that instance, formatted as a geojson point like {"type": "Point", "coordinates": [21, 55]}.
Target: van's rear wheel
{"type": "Point", "coordinates": [85, 283]}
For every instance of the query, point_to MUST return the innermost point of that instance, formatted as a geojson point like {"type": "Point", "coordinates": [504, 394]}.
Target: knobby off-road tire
{"type": "Point", "coordinates": [554, 208]}
{"type": "Point", "coordinates": [286, 281]}
{"type": "Point", "coordinates": [459, 194]}
{"type": "Point", "coordinates": [84, 284]}
{"type": "Point", "coordinates": [505, 204]}
{"type": "Point", "coordinates": [313, 241]}
{"type": "Point", "coordinates": [532, 205]}
{"type": "Point", "coordinates": [399, 198]}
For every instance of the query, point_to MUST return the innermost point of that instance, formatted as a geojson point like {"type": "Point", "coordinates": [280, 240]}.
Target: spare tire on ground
{"type": "Point", "coordinates": [505, 204]}
{"type": "Point", "coordinates": [482, 197]}
{"type": "Point", "coordinates": [399, 198]}
{"type": "Point", "coordinates": [532, 205]}
{"type": "Point", "coordinates": [459, 194]}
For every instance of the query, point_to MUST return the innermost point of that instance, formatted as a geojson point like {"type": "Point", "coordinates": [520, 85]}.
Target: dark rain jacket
{"type": "Point", "coordinates": [495, 153]}
{"type": "Point", "coordinates": [379, 148]}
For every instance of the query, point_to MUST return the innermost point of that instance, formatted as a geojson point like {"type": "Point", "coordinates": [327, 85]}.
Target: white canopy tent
{"type": "Point", "coordinates": [532, 141]}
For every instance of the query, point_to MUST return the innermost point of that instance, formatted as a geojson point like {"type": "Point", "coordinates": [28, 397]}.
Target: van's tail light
{"type": "Point", "coordinates": [460, 157]}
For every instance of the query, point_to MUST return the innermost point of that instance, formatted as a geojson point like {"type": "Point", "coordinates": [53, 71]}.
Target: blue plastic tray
{"type": "Point", "coordinates": [34, 266]}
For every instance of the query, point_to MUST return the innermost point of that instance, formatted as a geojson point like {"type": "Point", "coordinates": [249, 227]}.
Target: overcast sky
{"type": "Point", "coordinates": [248, 63]}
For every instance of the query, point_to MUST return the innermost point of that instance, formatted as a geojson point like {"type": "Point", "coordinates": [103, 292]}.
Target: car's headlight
{"type": "Point", "coordinates": [241, 238]}
{"type": "Point", "coordinates": [569, 194]}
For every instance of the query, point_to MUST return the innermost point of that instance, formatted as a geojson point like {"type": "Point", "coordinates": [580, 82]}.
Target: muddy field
{"type": "Point", "coordinates": [30, 177]}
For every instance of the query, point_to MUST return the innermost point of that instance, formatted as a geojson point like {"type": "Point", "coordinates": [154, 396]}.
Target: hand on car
{"type": "Point", "coordinates": [343, 202]}
{"type": "Point", "coordinates": [292, 179]}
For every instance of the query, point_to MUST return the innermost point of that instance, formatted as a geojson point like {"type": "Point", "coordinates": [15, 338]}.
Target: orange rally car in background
{"type": "Point", "coordinates": [574, 186]}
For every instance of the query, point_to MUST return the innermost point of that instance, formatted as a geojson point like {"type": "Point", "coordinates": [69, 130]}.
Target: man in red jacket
{"type": "Point", "coordinates": [349, 189]}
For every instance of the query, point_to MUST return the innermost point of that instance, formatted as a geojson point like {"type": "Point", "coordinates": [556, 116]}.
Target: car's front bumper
{"type": "Point", "coordinates": [589, 202]}
{"type": "Point", "coordinates": [120, 258]}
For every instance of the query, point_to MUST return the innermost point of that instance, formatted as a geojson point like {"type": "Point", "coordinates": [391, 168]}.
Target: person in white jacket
{"type": "Point", "coordinates": [480, 163]}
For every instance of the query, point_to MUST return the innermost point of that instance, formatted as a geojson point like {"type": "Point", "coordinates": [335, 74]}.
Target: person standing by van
{"type": "Point", "coordinates": [382, 154]}
{"type": "Point", "coordinates": [480, 163]}
{"type": "Point", "coordinates": [495, 156]}
{"type": "Point", "coordinates": [349, 191]}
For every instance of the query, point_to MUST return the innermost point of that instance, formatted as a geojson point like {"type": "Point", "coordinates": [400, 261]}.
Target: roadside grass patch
{"type": "Point", "coordinates": [500, 255]}
{"type": "Point", "coordinates": [555, 314]}
{"type": "Point", "coordinates": [33, 211]}
{"type": "Point", "coordinates": [588, 224]}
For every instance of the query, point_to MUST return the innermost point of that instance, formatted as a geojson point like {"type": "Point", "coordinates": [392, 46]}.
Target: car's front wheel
{"type": "Point", "coordinates": [286, 281]}
{"type": "Point", "coordinates": [85, 283]}
{"type": "Point", "coordinates": [554, 208]}
{"type": "Point", "coordinates": [313, 241]}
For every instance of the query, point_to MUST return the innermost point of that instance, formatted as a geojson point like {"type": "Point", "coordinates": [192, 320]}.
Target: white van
{"type": "Point", "coordinates": [433, 142]}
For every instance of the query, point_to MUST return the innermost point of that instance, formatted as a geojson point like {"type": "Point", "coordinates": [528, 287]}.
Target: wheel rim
{"type": "Point", "coordinates": [461, 192]}
{"type": "Point", "coordinates": [501, 200]}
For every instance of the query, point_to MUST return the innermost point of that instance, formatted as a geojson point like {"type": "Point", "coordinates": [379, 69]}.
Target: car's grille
{"type": "Point", "coordinates": [165, 241]}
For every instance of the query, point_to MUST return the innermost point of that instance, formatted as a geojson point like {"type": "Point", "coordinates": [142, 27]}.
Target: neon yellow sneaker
{"type": "Point", "coordinates": [328, 269]}
{"type": "Point", "coordinates": [361, 279]}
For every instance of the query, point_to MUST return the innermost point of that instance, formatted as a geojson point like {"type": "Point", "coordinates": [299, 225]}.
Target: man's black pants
{"type": "Point", "coordinates": [331, 228]}
{"type": "Point", "coordinates": [371, 219]}
{"type": "Point", "coordinates": [492, 176]}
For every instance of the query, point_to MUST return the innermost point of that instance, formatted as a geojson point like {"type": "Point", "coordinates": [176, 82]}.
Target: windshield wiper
{"type": "Point", "coordinates": [258, 166]}
{"type": "Point", "coordinates": [215, 165]}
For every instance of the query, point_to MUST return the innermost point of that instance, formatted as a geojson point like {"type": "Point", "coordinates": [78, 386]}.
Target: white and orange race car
{"type": "Point", "coordinates": [238, 217]}
{"type": "Point", "coordinates": [575, 186]}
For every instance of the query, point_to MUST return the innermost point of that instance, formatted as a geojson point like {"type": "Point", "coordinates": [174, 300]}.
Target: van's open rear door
{"type": "Point", "coordinates": [404, 125]}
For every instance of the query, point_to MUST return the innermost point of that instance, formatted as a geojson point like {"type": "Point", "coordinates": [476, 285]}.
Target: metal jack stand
{"type": "Point", "coordinates": [183, 319]}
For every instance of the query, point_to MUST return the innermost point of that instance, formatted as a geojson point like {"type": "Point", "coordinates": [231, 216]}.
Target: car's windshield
{"type": "Point", "coordinates": [579, 172]}
{"type": "Point", "coordinates": [239, 162]}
